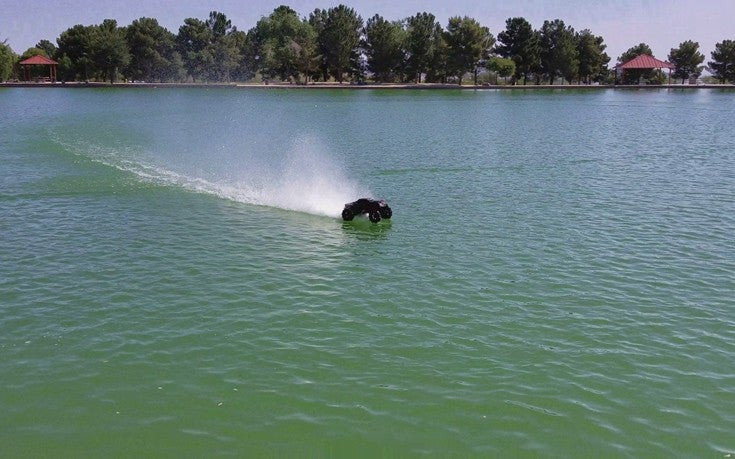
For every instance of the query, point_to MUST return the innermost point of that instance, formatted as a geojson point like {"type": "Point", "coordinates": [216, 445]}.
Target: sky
{"type": "Point", "coordinates": [662, 24]}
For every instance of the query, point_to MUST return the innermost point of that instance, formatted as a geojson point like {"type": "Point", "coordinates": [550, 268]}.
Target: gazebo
{"type": "Point", "coordinates": [39, 60]}
{"type": "Point", "coordinates": [644, 61]}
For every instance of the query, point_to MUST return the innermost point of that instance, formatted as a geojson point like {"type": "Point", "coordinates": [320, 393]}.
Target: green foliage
{"type": "Point", "coordinates": [384, 41]}
{"type": "Point", "coordinates": [66, 68]}
{"type": "Point", "coordinates": [338, 37]}
{"type": "Point", "coordinates": [30, 52]}
{"type": "Point", "coordinates": [559, 54]}
{"type": "Point", "coordinates": [7, 61]}
{"type": "Point", "coordinates": [438, 71]}
{"type": "Point", "coordinates": [222, 49]}
{"type": "Point", "coordinates": [48, 48]}
{"type": "Point", "coordinates": [709, 79]}
{"type": "Point", "coordinates": [606, 76]}
{"type": "Point", "coordinates": [242, 54]}
{"type": "Point", "coordinates": [592, 57]}
{"type": "Point", "coordinates": [76, 44]}
{"type": "Point", "coordinates": [285, 46]}
{"type": "Point", "coordinates": [468, 44]}
{"type": "Point", "coordinates": [422, 36]}
{"type": "Point", "coordinates": [722, 64]}
{"type": "Point", "coordinates": [110, 49]}
{"type": "Point", "coordinates": [219, 25]}
{"type": "Point", "coordinates": [211, 50]}
{"type": "Point", "coordinates": [520, 43]}
{"type": "Point", "coordinates": [658, 77]}
{"type": "Point", "coordinates": [686, 60]}
{"type": "Point", "coordinates": [502, 66]}
{"type": "Point", "coordinates": [332, 43]}
{"type": "Point", "coordinates": [318, 21]}
{"type": "Point", "coordinates": [633, 76]}
{"type": "Point", "coordinates": [194, 45]}
{"type": "Point", "coordinates": [634, 52]}
{"type": "Point", "coordinates": [153, 56]}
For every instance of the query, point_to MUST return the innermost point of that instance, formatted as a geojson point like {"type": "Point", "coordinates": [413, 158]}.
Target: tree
{"type": "Point", "coordinates": [285, 45]}
{"type": "Point", "coordinates": [559, 55]}
{"type": "Point", "coordinates": [420, 43]}
{"type": "Point", "coordinates": [219, 25]}
{"type": "Point", "coordinates": [110, 50]}
{"type": "Point", "coordinates": [30, 52]}
{"type": "Point", "coordinates": [634, 52]}
{"type": "Point", "coordinates": [318, 21]}
{"type": "Point", "coordinates": [519, 43]}
{"type": "Point", "coordinates": [153, 56]}
{"type": "Point", "coordinates": [468, 43]}
{"type": "Point", "coordinates": [219, 55]}
{"type": "Point", "coordinates": [384, 49]}
{"type": "Point", "coordinates": [338, 40]}
{"type": "Point", "coordinates": [193, 43]}
{"type": "Point", "coordinates": [592, 57]}
{"type": "Point", "coordinates": [7, 60]}
{"type": "Point", "coordinates": [722, 64]}
{"type": "Point", "coordinates": [686, 60]}
{"type": "Point", "coordinates": [438, 67]}
{"type": "Point", "coordinates": [48, 48]}
{"type": "Point", "coordinates": [244, 64]}
{"type": "Point", "coordinates": [633, 76]}
{"type": "Point", "coordinates": [222, 48]}
{"type": "Point", "coordinates": [66, 68]}
{"type": "Point", "coordinates": [75, 52]}
{"type": "Point", "coordinates": [502, 66]}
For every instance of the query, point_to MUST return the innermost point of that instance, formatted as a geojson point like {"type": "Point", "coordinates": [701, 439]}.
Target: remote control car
{"type": "Point", "coordinates": [374, 208]}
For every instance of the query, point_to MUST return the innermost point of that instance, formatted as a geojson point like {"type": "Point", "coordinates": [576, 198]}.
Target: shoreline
{"type": "Point", "coordinates": [421, 86]}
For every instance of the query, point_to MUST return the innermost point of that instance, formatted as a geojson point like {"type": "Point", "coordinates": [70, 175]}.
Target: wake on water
{"type": "Point", "coordinates": [305, 179]}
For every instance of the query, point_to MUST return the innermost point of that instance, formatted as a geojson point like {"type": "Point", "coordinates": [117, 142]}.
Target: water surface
{"type": "Point", "coordinates": [557, 279]}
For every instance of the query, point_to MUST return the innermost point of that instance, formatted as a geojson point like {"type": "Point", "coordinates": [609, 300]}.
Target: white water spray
{"type": "Point", "coordinates": [305, 179]}
{"type": "Point", "coordinates": [308, 180]}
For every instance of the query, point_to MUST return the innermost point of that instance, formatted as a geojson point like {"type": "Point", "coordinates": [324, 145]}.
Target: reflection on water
{"type": "Point", "coordinates": [362, 228]}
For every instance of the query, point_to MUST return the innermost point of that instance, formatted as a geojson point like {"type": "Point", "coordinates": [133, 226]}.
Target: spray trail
{"type": "Point", "coordinates": [306, 179]}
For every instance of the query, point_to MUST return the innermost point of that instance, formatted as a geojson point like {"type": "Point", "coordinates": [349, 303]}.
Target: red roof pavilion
{"type": "Point", "coordinates": [644, 61]}
{"type": "Point", "coordinates": [39, 60]}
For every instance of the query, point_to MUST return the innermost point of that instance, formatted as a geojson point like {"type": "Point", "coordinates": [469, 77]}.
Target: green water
{"type": "Point", "coordinates": [558, 278]}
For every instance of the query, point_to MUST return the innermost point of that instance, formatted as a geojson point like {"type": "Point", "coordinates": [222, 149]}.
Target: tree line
{"type": "Point", "coordinates": [335, 44]}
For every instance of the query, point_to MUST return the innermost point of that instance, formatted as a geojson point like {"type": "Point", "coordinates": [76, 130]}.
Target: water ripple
{"type": "Point", "coordinates": [537, 293]}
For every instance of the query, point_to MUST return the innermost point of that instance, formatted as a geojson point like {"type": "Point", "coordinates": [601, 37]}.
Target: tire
{"type": "Point", "coordinates": [374, 217]}
{"type": "Point", "coordinates": [386, 212]}
{"type": "Point", "coordinates": [347, 215]}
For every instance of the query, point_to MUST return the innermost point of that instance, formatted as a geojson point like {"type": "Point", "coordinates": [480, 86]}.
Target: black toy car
{"type": "Point", "coordinates": [374, 208]}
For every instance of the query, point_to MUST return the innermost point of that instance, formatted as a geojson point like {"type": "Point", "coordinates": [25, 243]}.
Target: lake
{"type": "Point", "coordinates": [558, 277]}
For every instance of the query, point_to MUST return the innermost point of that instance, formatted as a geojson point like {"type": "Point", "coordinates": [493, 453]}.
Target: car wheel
{"type": "Point", "coordinates": [374, 217]}
{"type": "Point", "coordinates": [386, 212]}
{"type": "Point", "coordinates": [347, 215]}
